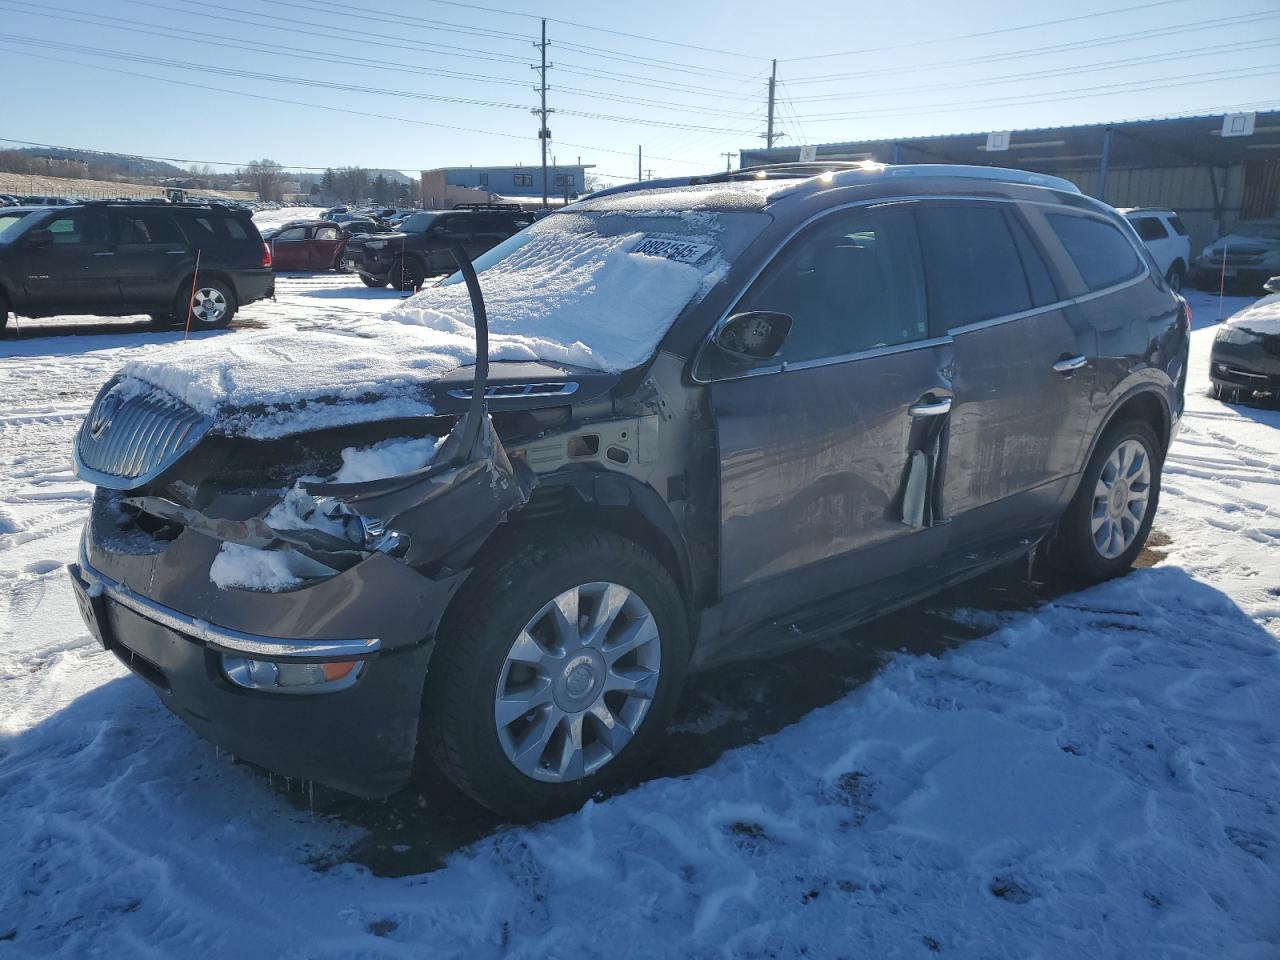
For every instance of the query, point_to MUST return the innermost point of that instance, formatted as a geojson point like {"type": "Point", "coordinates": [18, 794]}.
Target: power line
{"type": "Point", "coordinates": [301, 53]}
{"type": "Point", "coordinates": [1073, 70]}
{"type": "Point", "coordinates": [330, 107]}
{"type": "Point", "coordinates": [1134, 86]}
{"type": "Point", "coordinates": [989, 33]}
{"type": "Point", "coordinates": [1069, 46]}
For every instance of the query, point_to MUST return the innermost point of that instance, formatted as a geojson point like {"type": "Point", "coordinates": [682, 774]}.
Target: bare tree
{"type": "Point", "coordinates": [264, 176]}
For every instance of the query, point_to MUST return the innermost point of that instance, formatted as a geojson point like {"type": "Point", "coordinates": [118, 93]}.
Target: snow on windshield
{"type": "Point", "coordinates": [577, 289]}
{"type": "Point", "coordinates": [571, 289]}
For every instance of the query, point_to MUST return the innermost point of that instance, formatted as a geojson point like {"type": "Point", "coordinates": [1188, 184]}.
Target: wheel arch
{"type": "Point", "coordinates": [609, 501]}
{"type": "Point", "coordinates": [1143, 402]}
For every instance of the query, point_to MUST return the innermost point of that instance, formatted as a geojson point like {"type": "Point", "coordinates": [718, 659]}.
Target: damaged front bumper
{"type": "Point", "coordinates": [323, 681]}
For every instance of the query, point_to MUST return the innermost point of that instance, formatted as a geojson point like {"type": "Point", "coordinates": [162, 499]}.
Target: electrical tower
{"type": "Point", "coordinates": [544, 133]}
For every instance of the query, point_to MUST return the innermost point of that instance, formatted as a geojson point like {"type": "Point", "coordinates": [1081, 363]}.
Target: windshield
{"type": "Point", "coordinates": [1261, 229]}
{"type": "Point", "coordinates": [597, 289]}
{"type": "Point", "coordinates": [418, 223]}
{"type": "Point", "coordinates": [9, 223]}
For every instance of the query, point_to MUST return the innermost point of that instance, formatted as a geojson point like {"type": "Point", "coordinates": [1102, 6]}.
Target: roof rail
{"type": "Point", "coordinates": [488, 206]}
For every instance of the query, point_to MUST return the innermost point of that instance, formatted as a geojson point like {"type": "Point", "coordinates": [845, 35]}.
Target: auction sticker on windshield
{"type": "Point", "coordinates": [680, 251]}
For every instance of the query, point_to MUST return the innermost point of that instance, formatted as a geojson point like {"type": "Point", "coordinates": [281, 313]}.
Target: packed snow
{"type": "Point", "coordinates": [1095, 777]}
{"type": "Point", "coordinates": [390, 458]}
{"type": "Point", "coordinates": [565, 294]}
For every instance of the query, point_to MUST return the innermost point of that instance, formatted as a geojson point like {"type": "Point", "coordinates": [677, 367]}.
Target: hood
{"type": "Point", "coordinates": [1261, 318]}
{"type": "Point", "coordinates": [1236, 243]}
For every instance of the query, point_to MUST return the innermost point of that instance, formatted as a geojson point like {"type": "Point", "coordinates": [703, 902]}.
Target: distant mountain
{"type": "Point", "coordinates": [119, 163]}
{"type": "Point", "coordinates": [395, 176]}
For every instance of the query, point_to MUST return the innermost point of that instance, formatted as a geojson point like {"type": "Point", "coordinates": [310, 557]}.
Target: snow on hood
{"type": "Point", "coordinates": [1261, 317]}
{"type": "Point", "coordinates": [561, 291]}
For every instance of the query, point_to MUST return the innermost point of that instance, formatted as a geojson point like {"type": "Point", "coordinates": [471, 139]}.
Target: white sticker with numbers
{"type": "Point", "coordinates": [681, 251]}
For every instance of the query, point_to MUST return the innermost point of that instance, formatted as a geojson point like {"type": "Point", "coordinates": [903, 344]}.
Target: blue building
{"type": "Point", "coordinates": [523, 181]}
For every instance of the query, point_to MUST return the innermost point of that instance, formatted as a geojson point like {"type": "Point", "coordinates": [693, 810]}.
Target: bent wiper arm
{"type": "Point", "coordinates": [476, 412]}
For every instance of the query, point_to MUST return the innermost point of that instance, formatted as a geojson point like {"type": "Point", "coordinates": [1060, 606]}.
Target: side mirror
{"type": "Point", "coordinates": [757, 335]}
{"type": "Point", "coordinates": [1272, 285]}
{"type": "Point", "coordinates": [38, 238]}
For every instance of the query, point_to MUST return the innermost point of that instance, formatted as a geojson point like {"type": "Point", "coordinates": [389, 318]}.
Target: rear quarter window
{"type": "Point", "coordinates": [1101, 253]}
{"type": "Point", "coordinates": [1176, 222]}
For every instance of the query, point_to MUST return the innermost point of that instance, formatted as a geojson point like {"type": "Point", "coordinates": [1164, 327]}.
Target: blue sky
{"type": "Point", "coordinates": [848, 71]}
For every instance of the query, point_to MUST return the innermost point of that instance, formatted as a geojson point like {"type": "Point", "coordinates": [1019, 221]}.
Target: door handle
{"type": "Point", "coordinates": [175, 253]}
{"type": "Point", "coordinates": [105, 253]}
{"type": "Point", "coordinates": [930, 408]}
{"type": "Point", "coordinates": [1070, 364]}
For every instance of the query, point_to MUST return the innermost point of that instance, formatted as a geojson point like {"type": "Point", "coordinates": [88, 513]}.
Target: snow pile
{"type": "Point", "coordinates": [567, 294]}
{"type": "Point", "coordinates": [390, 458]}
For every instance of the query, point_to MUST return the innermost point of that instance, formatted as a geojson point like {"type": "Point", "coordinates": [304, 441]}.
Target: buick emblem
{"type": "Point", "coordinates": [104, 411]}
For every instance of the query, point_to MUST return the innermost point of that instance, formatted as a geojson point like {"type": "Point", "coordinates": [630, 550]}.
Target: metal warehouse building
{"type": "Point", "coordinates": [1213, 170]}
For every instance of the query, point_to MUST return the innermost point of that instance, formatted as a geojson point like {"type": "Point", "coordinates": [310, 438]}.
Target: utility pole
{"type": "Point", "coordinates": [640, 162]}
{"type": "Point", "coordinates": [773, 82]}
{"type": "Point", "coordinates": [544, 134]}
{"type": "Point", "coordinates": [649, 174]}
{"type": "Point", "coordinates": [728, 160]}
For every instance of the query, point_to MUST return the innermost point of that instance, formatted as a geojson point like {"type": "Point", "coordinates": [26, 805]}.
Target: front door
{"type": "Point", "coordinates": [151, 256]}
{"type": "Point", "coordinates": [326, 243]}
{"type": "Point", "coordinates": [289, 249]}
{"type": "Point", "coordinates": [76, 270]}
{"type": "Point", "coordinates": [832, 454]}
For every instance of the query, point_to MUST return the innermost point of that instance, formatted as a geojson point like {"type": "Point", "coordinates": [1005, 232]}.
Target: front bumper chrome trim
{"type": "Point", "coordinates": [223, 638]}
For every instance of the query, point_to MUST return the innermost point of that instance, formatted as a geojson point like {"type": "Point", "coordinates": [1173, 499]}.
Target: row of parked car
{"type": "Point", "coordinates": [402, 250]}
{"type": "Point", "coordinates": [1244, 258]}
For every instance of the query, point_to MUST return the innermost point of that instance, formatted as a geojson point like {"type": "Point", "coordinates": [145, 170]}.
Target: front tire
{"type": "Point", "coordinates": [407, 274]}
{"type": "Point", "coordinates": [1106, 525]}
{"type": "Point", "coordinates": [557, 672]}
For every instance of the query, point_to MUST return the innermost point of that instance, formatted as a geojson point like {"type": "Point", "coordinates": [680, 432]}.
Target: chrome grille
{"type": "Point", "coordinates": [133, 433]}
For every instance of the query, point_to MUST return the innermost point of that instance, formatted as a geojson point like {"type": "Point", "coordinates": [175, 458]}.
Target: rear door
{"type": "Point", "coordinates": [76, 271]}
{"type": "Point", "coordinates": [1023, 366]}
{"type": "Point", "coordinates": [151, 254]}
{"type": "Point", "coordinates": [818, 446]}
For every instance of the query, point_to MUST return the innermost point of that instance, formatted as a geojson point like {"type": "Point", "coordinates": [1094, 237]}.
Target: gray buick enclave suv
{"type": "Point", "coordinates": [674, 424]}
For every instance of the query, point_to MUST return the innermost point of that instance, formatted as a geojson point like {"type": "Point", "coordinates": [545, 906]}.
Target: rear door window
{"type": "Point", "coordinates": [200, 231]}
{"type": "Point", "coordinates": [293, 233]}
{"type": "Point", "coordinates": [235, 229]}
{"type": "Point", "coordinates": [1103, 255]}
{"type": "Point", "coordinates": [972, 264]}
{"type": "Point", "coordinates": [1150, 228]}
{"type": "Point", "coordinates": [148, 226]}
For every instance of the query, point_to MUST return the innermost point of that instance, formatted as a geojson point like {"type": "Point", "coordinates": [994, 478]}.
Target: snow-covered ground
{"type": "Point", "coordinates": [1095, 777]}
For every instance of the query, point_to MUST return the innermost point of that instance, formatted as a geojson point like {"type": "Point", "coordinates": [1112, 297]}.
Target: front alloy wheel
{"type": "Point", "coordinates": [555, 670]}
{"type": "Point", "coordinates": [577, 683]}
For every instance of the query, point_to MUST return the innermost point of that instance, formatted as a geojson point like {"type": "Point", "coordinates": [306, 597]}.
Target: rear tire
{"type": "Point", "coordinates": [1099, 536]}
{"type": "Point", "coordinates": [597, 713]}
{"type": "Point", "coordinates": [372, 282]}
{"type": "Point", "coordinates": [211, 308]}
{"type": "Point", "coordinates": [1176, 277]}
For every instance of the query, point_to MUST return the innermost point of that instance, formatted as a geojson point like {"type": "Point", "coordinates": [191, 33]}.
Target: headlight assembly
{"type": "Point", "coordinates": [1237, 335]}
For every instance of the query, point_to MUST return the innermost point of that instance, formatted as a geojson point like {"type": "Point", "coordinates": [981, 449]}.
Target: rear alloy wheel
{"type": "Point", "coordinates": [211, 306]}
{"type": "Point", "coordinates": [1107, 523]}
{"type": "Point", "coordinates": [556, 672]}
{"type": "Point", "coordinates": [1176, 277]}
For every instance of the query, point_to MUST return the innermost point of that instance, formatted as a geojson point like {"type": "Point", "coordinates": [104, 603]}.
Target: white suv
{"type": "Point", "coordinates": [1166, 238]}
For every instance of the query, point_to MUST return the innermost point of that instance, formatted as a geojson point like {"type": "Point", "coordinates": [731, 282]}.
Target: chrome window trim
{"type": "Point", "coordinates": [932, 342]}
{"type": "Point", "coordinates": [225, 639]}
{"type": "Point", "coordinates": [519, 391]}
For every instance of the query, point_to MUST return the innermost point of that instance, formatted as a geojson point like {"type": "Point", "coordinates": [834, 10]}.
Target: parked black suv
{"type": "Point", "coordinates": [732, 415]}
{"type": "Point", "coordinates": [118, 258]}
{"type": "Point", "coordinates": [421, 247]}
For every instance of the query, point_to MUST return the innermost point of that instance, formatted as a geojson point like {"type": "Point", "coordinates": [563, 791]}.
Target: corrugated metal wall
{"type": "Point", "coordinates": [1188, 190]}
